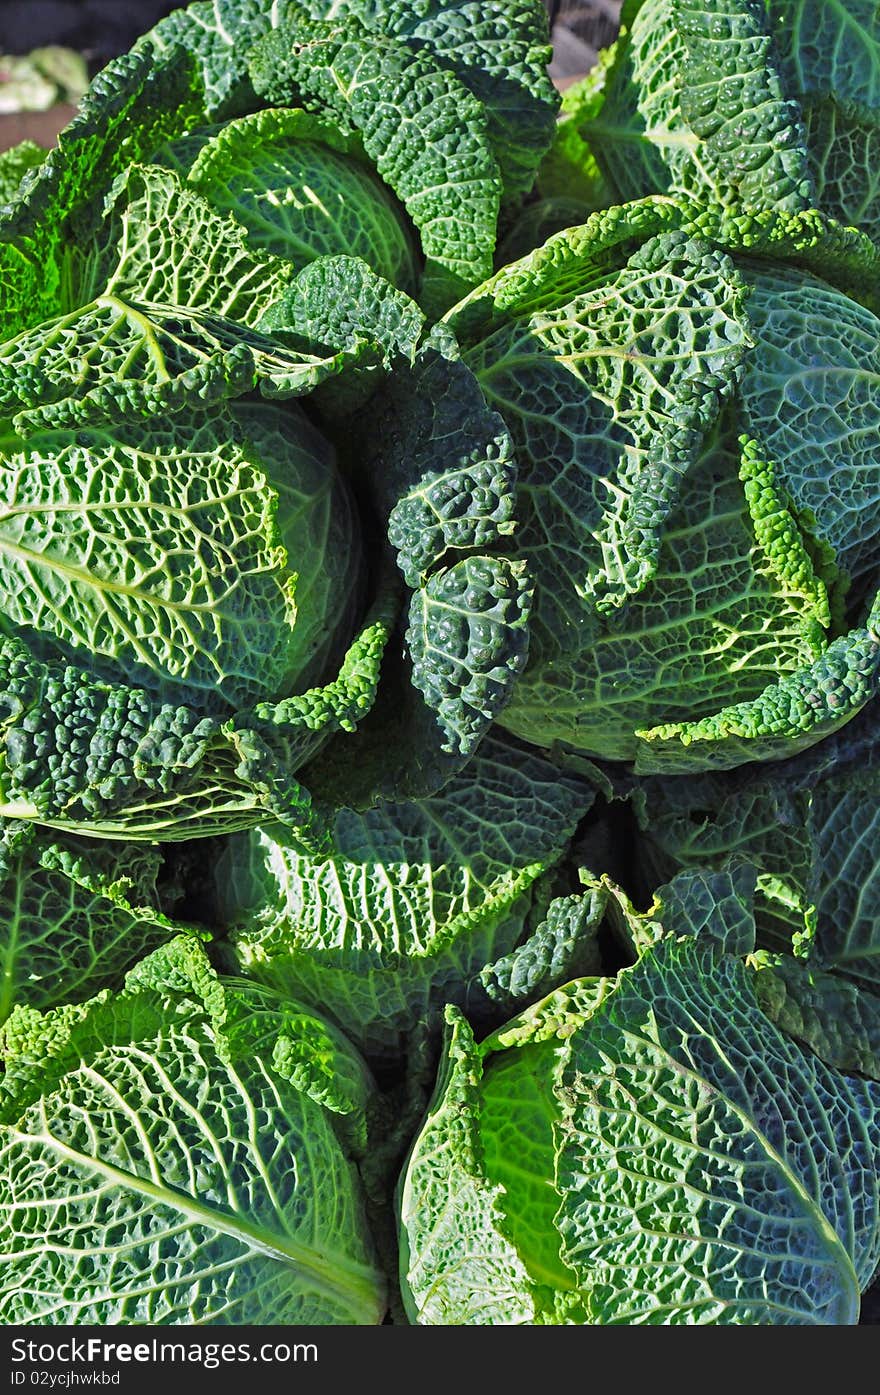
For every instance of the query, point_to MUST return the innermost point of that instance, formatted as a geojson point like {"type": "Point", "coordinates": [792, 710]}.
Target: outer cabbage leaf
{"type": "Point", "coordinates": [217, 34]}
{"type": "Point", "coordinates": [338, 327]}
{"type": "Point", "coordinates": [302, 190]}
{"type": "Point", "coordinates": [648, 355]}
{"type": "Point", "coordinates": [410, 114]}
{"type": "Point", "coordinates": [500, 53]}
{"type": "Point", "coordinates": [714, 905]}
{"type": "Point", "coordinates": [131, 107]}
{"type": "Point", "coordinates": [109, 759]}
{"type": "Point", "coordinates": [161, 241]}
{"type": "Point", "coordinates": [115, 359]}
{"type": "Point", "coordinates": [753, 104]}
{"type": "Point", "coordinates": [632, 398]}
{"type": "Point", "coordinates": [809, 825]}
{"type": "Point", "coordinates": [341, 311]}
{"type": "Point", "coordinates": [201, 1138]}
{"type": "Point", "coordinates": [702, 1166]}
{"type": "Point", "coordinates": [418, 904]}
{"type": "Point", "coordinates": [797, 382]}
{"type": "Point", "coordinates": [76, 915]}
{"type": "Point", "coordinates": [693, 102]}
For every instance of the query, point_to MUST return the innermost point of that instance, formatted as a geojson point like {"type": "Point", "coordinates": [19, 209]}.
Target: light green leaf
{"type": "Point", "coordinates": [131, 107]}
{"type": "Point", "coordinates": [162, 242]}
{"type": "Point", "coordinates": [113, 360]}
{"type": "Point", "coordinates": [137, 1113]}
{"type": "Point", "coordinates": [302, 190]}
{"type": "Point", "coordinates": [482, 1278]}
{"type": "Point", "coordinates": [418, 904]}
{"type": "Point", "coordinates": [650, 1152]}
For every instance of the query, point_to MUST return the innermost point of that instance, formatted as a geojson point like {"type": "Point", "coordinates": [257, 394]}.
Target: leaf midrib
{"type": "Point", "coordinates": [356, 1285]}
{"type": "Point", "coordinates": [840, 1258]}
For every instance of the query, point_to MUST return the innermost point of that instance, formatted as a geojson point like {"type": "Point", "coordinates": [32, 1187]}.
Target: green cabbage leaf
{"type": "Point", "coordinates": [446, 899]}
{"type": "Point", "coordinates": [653, 1149]}
{"type": "Point", "coordinates": [202, 1139]}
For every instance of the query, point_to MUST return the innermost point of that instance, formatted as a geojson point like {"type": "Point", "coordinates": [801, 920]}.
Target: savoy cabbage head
{"type": "Point", "coordinates": [199, 574]}
{"type": "Point", "coordinates": [203, 1138]}
{"type": "Point", "coordinates": [450, 102]}
{"type": "Point", "coordinates": [301, 188]}
{"type": "Point", "coordinates": [697, 435]}
{"type": "Point", "coordinates": [649, 1149]}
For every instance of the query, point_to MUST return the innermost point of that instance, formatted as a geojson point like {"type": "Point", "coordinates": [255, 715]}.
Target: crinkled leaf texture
{"type": "Point", "coordinates": [693, 102]}
{"type": "Point", "coordinates": [747, 104]}
{"type": "Point", "coordinates": [302, 190]}
{"type": "Point", "coordinates": [151, 302]}
{"type": "Point", "coordinates": [76, 914]}
{"type": "Point", "coordinates": [106, 394]}
{"type": "Point", "coordinates": [835, 1017]}
{"type": "Point", "coordinates": [839, 1021]}
{"type": "Point", "coordinates": [754, 104]}
{"type": "Point", "coordinates": [131, 107]}
{"type": "Point", "coordinates": [201, 1139]}
{"type": "Point", "coordinates": [441, 469]}
{"type": "Point", "coordinates": [159, 313]}
{"type": "Point", "coordinates": [499, 52]}
{"type": "Point", "coordinates": [418, 904]}
{"type": "Point", "coordinates": [410, 114]}
{"type": "Point", "coordinates": [810, 826]}
{"type": "Point", "coordinates": [92, 423]}
{"type": "Point", "coordinates": [830, 57]}
{"type": "Point", "coordinates": [652, 1150]}
{"type": "Point", "coordinates": [151, 571]}
{"type": "Point", "coordinates": [701, 594]}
